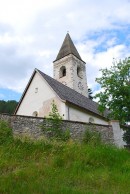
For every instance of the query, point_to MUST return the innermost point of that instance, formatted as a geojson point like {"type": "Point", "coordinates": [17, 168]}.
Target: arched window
{"type": "Point", "coordinates": [35, 114]}
{"type": "Point", "coordinates": [91, 120]}
{"type": "Point", "coordinates": [79, 72]}
{"type": "Point", "coordinates": [62, 72]}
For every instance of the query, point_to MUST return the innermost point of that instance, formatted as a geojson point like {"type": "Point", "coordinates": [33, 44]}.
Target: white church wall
{"type": "Point", "coordinates": [38, 99]}
{"type": "Point", "coordinates": [76, 114]}
{"type": "Point", "coordinates": [47, 107]}
{"type": "Point", "coordinates": [37, 93]}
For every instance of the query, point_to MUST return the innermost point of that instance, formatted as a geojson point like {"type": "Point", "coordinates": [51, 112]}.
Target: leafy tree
{"type": "Point", "coordinates": [115, 83]}
{"type": "Point", "coordinates": [126, 136]}
{"type": "Point", "coordinates": [2, 106]}
{"type": "Point", "coordinates": [8, 107]}
{"type": "Point", "coordinates": [90, 93]}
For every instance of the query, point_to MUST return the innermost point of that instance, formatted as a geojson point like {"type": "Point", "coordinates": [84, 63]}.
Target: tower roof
{"type": "Point", "coordinates": [67, 48]}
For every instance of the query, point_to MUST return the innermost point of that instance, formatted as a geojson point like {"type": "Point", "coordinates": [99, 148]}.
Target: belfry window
{"type": "Point", "coordinates": [79, 72]}
{"type": "Point", "coordinates": [62, 72]}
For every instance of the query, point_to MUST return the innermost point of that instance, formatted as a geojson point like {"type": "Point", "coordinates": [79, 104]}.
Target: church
{"type": "Point", "coordinates": [68, 89]}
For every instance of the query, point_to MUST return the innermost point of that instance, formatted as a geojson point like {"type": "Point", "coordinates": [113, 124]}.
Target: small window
{"type": "Point", "coordinates": [35, 114]}
{"type": "Point", "coordinates": [91, 120]}
{"type": "Point", "coordinates": [62, 72]}
{"type": "Point", "coordinates": [36, 90]}
{"type": "Point", "coordinates": [79, 72]}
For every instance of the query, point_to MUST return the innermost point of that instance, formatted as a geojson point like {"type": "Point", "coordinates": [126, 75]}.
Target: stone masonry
{"type": "Point", "coordinates": [31, 126]}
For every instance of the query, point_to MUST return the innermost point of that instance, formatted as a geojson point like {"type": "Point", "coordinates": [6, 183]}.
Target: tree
{"type": "Point", "coordinates": [90, 93]}
{"type": "Point", "coordinates": [55, 120]}
{"type": "Point", "coordinates": [8, 107]}
{"type": "Point", "coordinates": [115, 94]}
{"type": "Point", "coordinates": [126, 135]}
{"type": "Point", "coordinates": [54, 124]}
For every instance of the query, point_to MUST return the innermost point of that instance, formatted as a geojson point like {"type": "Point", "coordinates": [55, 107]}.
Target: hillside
{"type": "Point", "coordinates": [45, 167]}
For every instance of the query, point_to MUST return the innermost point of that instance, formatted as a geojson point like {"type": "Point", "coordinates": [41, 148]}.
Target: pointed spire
{"type": "Point", "coordinates": [67, 48]}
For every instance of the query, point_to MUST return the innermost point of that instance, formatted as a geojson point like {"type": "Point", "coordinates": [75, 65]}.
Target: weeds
{"type": "Point", "coordinates": [53, 125]}
{"type": "Point", "coordinates": [55, 167]}
{"type": "Point", "coordinates": [5, 133]}
{"type": "Point", "coordinates": [92, 137]}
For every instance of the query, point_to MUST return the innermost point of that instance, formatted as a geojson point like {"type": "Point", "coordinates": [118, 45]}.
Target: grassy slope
{"type": "Point", "coordinates": [58, 168]}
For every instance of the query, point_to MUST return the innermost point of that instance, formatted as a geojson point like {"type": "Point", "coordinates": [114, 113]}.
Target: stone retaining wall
{"type": "Point", "coordinates": [31, 126]}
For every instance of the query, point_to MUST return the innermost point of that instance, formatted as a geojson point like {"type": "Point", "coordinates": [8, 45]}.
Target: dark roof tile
{"type": "Point", "coordinates": [67, 48]}
{"type": "Point", "coordinates": [73, 97]}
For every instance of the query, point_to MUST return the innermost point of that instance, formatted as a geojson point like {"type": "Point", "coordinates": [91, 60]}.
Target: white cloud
{"type": "Point", "coordinates": [32, 31]}
{"type": "Point", "coordinates": [96, 60]}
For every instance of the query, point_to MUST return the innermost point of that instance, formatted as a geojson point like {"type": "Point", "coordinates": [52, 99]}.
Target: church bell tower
{"type": "Point", "coordinates": [69, 68]}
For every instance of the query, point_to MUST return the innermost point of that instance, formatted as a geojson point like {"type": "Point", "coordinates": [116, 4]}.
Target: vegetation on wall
{"type": "Point", "coordinates": [54, 124]}
{"type": "Point", "coordinates": [54, 167]}
{"type": "Point", "coordinates": [8, 107]}
{"type": "Point", "coordinates": [92, 137]}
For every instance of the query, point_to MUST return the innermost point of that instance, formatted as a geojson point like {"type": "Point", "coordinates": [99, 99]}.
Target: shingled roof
{"type": "Point", "coordinates": [67, 48]}
{"type": "Point", "coordinates": [71, 96]}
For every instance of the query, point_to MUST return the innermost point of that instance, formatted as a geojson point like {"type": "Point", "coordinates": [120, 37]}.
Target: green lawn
{"type": "Point", "coordinates": [51, 167]}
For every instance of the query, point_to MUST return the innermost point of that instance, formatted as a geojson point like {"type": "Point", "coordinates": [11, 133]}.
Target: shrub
{"type": "Point", "coordinates": [92, 137]}
{"type": "Point", "coordinates": [54, 125]}
{"type": "Point", "coordinates": [126, 136]}
{"type": "Point", "coordinates": [5, 133]}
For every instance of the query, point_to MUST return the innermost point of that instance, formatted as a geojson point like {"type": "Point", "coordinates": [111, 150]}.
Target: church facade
{"type": "Point", "coordinates": [68, 89]}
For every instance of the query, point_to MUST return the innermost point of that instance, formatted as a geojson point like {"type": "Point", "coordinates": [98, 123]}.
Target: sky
{"type": "Point", "coordinates": [32, 31]}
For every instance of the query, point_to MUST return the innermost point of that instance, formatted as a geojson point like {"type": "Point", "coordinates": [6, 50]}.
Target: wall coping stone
{"type": "Point", "coordinates": [39, 118]}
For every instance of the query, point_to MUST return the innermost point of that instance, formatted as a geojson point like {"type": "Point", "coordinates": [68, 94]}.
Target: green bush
{"type": "Point", "coordinates": [5, 133]}
{"type": "Point", "coordinates": [54, 125]}
{"type": "Point", "coordinates": [92, 137]}
{"type": "Point", "coordinates": [126, 136]}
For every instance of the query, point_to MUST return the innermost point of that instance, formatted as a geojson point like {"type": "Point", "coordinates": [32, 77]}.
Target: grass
{"type": "Point", "coordinates": [44, 167]}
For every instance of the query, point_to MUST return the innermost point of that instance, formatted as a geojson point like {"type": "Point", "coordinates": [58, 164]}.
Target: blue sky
{"type": "Point", "coordinates": [7, 94]}
{"type": "Point", "coordinates": [32, 31]}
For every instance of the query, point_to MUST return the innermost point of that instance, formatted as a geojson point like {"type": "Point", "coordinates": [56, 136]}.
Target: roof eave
{"type": "Point", "coordinates": [66, 56]}
{"type": "Point", "coordinates": [51, 87]}
{"type": "Point", "coordinates": [105, 118]}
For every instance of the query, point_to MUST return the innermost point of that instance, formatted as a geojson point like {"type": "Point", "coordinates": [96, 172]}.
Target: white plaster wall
{"type": "Point", "coordinates": [40, 101]}
{"type": "Point", "coordinates": [47, 107]}
{"type": "Point", "coordinates": [76, 114]}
